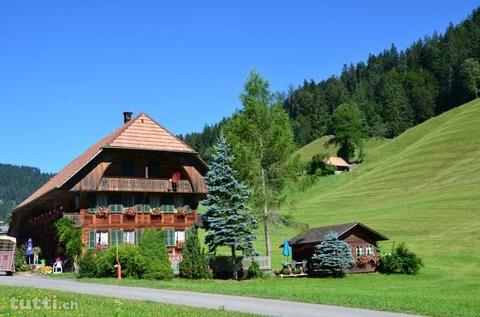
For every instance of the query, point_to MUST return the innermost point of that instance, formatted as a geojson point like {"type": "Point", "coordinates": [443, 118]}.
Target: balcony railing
{"type": "Point", "coordinates": [143, 185]}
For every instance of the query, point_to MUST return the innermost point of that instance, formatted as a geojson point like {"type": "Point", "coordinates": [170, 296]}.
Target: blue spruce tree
{"type": "Point", "coordinates": [332, 256]}
{"type": "Point", "coordinates": [227, 219]}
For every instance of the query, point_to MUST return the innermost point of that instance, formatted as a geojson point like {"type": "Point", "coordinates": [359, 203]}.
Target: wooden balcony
{"type": "Point", "coordinates": [130, 184]}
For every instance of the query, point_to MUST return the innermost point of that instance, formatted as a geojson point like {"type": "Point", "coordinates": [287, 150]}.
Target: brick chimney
{"type": "Point", "coordinates": [127, 116]}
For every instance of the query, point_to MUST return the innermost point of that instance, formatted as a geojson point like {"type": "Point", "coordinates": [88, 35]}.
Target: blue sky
{"type": "Point", "coordinates": [68, 69]}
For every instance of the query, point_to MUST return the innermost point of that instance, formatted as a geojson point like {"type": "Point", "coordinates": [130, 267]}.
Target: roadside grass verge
{"type": "Point", "coordinates": [87, 305]}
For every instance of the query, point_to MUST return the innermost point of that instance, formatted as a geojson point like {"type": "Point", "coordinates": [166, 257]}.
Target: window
{"type": "Point", "coordinates": [369, 249]}
{"type": "Point", "coordinates": [169, 237]}
{"type": "Point", "coordinates": [128, 169]}
{"type": "Point", "coordinates": [128, 201]}
{"type": "Point", "coordinates": [102, 201]}
{"type": "Point", "coordinates": [91, 203]}
{"type": "Point", "coordinates": [116, 237]}
{"type": "Point", "coordinates": [129, 237]}
{"type": "Point", "coordinates": [154, 201]}
{"type": "Point", "coordinates": [179, 236]}
{"type": "Point", "coordinates": [178, 202]}
{"type": "Point", "coordinates": [115, 203]}
{"type": "Point", "coordinates": [101, 238]}
{"type": "Point", "coordinates": [359, 250]}
{"type": "Point", "coordinates": [167, 204]}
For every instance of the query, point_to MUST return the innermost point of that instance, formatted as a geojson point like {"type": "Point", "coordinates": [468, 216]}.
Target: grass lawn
{"type": "Point", "coordinates": [411, 294]}
{"type": "Point", "coordinates": [84, 305]}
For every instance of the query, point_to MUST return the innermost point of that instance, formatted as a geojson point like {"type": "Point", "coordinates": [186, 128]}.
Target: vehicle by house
{"type": "Point", "coordinates": [361, 239]}
{"type": "Point", "coordinates": [137, 177]}
{"type": "Point", "coordinates": [7, 254]}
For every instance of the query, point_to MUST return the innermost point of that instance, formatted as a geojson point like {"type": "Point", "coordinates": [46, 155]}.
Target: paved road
{"type": "Point", "coordinates": [268, 307]}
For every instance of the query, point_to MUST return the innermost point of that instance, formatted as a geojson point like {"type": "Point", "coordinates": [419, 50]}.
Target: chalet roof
{"type": "Point", "coordinates": [337, 161]}
{"type": "Point", "coordinates": [318, 234]}
{"type": "Point", "coordinates": [140, 133]}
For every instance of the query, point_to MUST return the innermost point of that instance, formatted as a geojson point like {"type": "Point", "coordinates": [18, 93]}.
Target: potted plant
{"type": "Point", "coordinates": [179, 246]}
{"type": "Point", "coordinates": [101, 212]}
{"type": "Point", "coordinates": [157, 212]}
{"type": "Point", "coordinates": [181, 213]}
{"type": "Point", "coordinates": [130, 212]}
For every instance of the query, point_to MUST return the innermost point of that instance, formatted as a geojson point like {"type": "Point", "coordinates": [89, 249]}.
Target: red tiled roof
{"type": "Point", "coordinates": [337, 161]}
{"type": "Point", "coordinates": [142, 132]}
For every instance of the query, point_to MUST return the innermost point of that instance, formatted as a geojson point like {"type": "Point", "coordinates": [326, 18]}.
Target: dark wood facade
{"type": "Point", "coordinates": [138, 177]}
{"type": "Point", "coordinates": [361, 239]}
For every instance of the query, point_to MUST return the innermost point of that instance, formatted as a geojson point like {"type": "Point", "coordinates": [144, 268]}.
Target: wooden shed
{"type": "Point", "coordinates": [361, 239]}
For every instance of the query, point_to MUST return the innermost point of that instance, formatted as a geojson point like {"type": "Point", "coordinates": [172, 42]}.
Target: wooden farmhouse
{"type": "Point", "coordinates": [137, 177]}
{"type": "Point", "coordinates": [361, 239]}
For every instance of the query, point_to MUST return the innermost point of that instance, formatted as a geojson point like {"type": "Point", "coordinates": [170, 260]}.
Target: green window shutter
{"type": "Point", "coordinates": [188, 233]}
{"type": "Point", "coordinates": [138, 237]}
{"type": "Point", "coordinates": [120, 236]}
{"type": "Point", "coordinates": [139, 208]}
{"type": "Point", "coordinates": [92, 203]}
{"type": "Point", "coordinates": [169, 237]}
{"type": "Point", "coordinates": [146, 208]}
{"type": "Point", "coordinates": [155, 201]}
{"type": "Point", "coordinates": [116, 236]}
{"type": "Point", "coordinates": [91, 239]}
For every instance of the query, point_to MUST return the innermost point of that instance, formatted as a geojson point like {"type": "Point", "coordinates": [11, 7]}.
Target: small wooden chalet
{"type": "Point", "coordinates": [339, 164]}
{"type": "Point", "coordinates": [361, 239]}
{"type": "Point", "coordinates": [137, 177]}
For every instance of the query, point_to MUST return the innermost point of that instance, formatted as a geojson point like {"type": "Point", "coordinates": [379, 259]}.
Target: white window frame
{"type": "Point", "coordinates": [129, 237]}
{"type": "Point", "coordinates": [101, 238]}
{"type": "Point", "coordinates": [368, 249]}
{"type": "Point", "coordinates": [359, 251]}
{"type": "Point", "coordinates": [180, 236]}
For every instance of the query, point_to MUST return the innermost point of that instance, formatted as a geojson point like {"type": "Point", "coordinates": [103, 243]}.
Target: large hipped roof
{"type": "Point", "coordinates": [142, 133]}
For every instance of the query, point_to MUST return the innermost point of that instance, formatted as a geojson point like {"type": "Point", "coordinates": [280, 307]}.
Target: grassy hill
{"type": "Point", "coordinates": [423, 188]}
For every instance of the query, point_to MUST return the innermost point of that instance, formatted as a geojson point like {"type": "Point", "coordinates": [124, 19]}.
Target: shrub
{"type": "Point", "coordinates": [20, 259]}
{"type": "Point", "coordinates": [132, 262]}
{"type": "Point", "coordinates": [254, 270]}
{"type": "Point", "coordinates": [88, 266]}
{"type": "Point", "coordinates": [332, 257]}
{"type": "Point", "coordinates": [154, 252]}
{"type": "Point", "coordinates": [194, 264]}
{"type": "Point", "coordinates": [402, 261]}
{"type": "Point", "coordinates": [223, 266]}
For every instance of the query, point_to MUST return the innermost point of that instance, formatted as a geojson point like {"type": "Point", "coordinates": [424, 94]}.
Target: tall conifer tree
{"type": "Point", "coordinates": [227, 220]}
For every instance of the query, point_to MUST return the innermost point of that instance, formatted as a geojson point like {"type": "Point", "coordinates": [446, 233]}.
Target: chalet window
{"type": "Point", "coordinates": [179, 236]}
{"type": "Point", "coordinates": [188, 233]}
{"type": "Point", "coordinates": [167, 204]}
{"type": "Point", "coordinates": [115, 203]}
{"type": "Point", "coordinates": [178, 202]}
{"type": "Point", "coordinates": [102, 201]}
{"type": "Point", "coordinates": [169, 237]}
{"type": "Point", "coordinates": [128, 201]}
{"type": "Point", "coordinates": [128, 169]}
{"type": "Point", "coordinates": [155, 202]}
{"type": "Point", "coordinates": [91, 203]}
{"type": "Point", "coordinates": [116, 236]}
{"type": "Point", "coordinates": [369, 249]}
{"type": "Point", "coordinates": [101, 238]}
{"type": "Point", "coordinates": [129, 237]}
{"type": "Point", "coordinates": [359, 250]}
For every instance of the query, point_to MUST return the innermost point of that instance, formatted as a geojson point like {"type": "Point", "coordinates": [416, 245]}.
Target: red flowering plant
{"type": "Point", "coordinates": [179, 246]}
{"type": "Point", "coordinates": [364, 260]}
{"type": "Point", "coordinates": [181, 212]}
{"type": "Point", "coordinates": [101, 212]}
{"type": "Point", "coordinates": [130, 212]}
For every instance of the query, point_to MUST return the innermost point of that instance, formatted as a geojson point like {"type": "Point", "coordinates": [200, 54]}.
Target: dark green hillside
{"type": "Point", "coordinates": [16, 183]}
